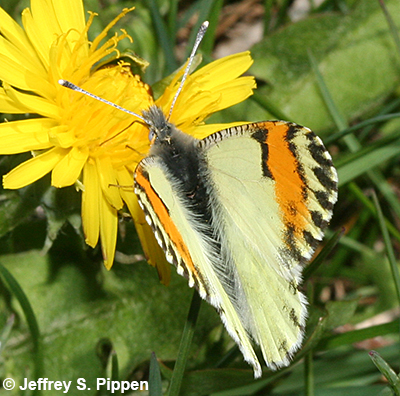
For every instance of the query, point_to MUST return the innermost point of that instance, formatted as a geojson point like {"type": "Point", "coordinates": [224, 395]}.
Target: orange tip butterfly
{"type": "Point", "coordinates": [239, 213]}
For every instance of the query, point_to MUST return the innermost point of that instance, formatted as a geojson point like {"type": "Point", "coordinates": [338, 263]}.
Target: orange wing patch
{"type": "Point", "coordinates": [290, 188]}
{"type": "Point", "coordinates": [163, 216]}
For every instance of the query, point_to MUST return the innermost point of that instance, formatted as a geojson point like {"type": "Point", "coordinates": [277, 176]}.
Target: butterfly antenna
{"type": "Point", "coordinates": [74, 87]}
{"type": "Point", "coordinates": [199, 38]}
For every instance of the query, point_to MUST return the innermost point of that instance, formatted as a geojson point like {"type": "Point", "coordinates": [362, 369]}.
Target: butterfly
{"type": "Point", "coordinates": [240, 213]}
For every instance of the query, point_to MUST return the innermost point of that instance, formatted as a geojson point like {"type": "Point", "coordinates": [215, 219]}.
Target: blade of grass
{"type": "Point", "coordinates": [20, 295]}
{"type": "Point", "coordinates": [282, 14]}
{"type": "Point", "coordinates": [350, 337]}
{"type": "Point", "coordinates": [391, 107]}
{"type": "Point", "coordinates": [356, 246]}
{"type": "Point", "coordinates": [308, 360]}
{"type": "Point", "coordinates": [352, 242]}
{"type": "Point", "coordinates": [385, 189]}
{"type": "Point", "coordinates": [172, 18]}
{"type": "Point", "coordinates": [309, 374]}
{"type": "Point", "coordinates": [204, 13]}
{"type": "Point", "coordinates": [155, 385]}
{"type": "Point", "coordinates": [191, 13]}
{"type": "Point", "coordinates": [208, 42]}
{"type": "Point", "coordinates": [338, 118]}
{"type": "Point", "coordinates": [312, 267]}
{"type": "Point", "coordinates": [164, 38]}
{"type": "Point", "coordinates": [6, 332]}
{"type": "Point", "coordinates": [268, 14]}
{"type": "Point", "coordinates": [184, 347]}
{"type": "Point", "coordinates": [371, 121]}
{"type": "Point", "coordinates": [370, 206]}
{"type": "Point", "coordinates": [366, 160]}
{"type": "Point", "coordinates": [312, 341]}
{"type": "Point", "coordinates": [229, 357]}
{"type": "Point", "coordinates": [16, 290]}
{"type": "Point", "coordinates": [389, 141]}
{"type": "Point", "coordinates": [392, 26]}
{"type": "Point", "coordinates": [114, 366]}
{"type": "Point", "coordinates": [268, 106]}
{"type": "Point", "coordinates": [387, 371]}
{"type": "Point", "coordinates": [388, 246]}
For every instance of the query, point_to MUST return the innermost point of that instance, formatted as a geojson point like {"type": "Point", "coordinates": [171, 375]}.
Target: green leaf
{"type": "Point", "coordinates": [61, 207]}
{"type": "Point", "coordinates": [75, 310]}
{"type": "Point", "coordinates": [354, 52]}
{"type": "Point", "coordinates": [339, 313]}
{"type": "Point", "coordinates": [17, 206]}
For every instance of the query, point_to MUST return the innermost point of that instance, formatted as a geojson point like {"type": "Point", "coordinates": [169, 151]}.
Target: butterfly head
{"type": "Point", "coordinates": [159, 127]}
{"type": "Point", "coordinates": [166, 140]}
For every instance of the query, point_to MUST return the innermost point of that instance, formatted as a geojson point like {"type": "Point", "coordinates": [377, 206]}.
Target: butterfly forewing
{"type": "Point", "coordinates": [187, 245]}
{"type": "Point", "coordinates": [271, 216]}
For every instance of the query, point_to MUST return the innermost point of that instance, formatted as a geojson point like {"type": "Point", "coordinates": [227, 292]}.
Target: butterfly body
{"type": "Point", "coordinates": [239, 213]}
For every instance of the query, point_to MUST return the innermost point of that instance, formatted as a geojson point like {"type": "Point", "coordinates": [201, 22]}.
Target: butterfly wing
{"type": "Point", "coordinates": [262, 195]}
{"type": "Point", "coordinates": [190, 245]}
{"type": "Point", "coordinates": [273, 187]}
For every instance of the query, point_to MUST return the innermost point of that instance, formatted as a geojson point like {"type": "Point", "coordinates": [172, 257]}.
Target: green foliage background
{"type": "Point", "coordinates": [63, 316]}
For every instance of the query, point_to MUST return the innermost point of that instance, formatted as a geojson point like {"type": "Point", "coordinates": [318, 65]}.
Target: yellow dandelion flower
{"type": "Point", "coordinates": [80, 140]}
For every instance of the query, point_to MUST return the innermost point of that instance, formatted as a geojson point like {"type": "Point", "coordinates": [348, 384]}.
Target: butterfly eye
{"type": "Point", "coordinates": [152, 135]}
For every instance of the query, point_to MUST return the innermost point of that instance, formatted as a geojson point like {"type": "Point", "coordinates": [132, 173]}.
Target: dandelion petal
{"type": "Point", "coordinates": [108, 231]}
{"type": "Point", "coordinates": [91, 204]}
{"type": "Point", "coordinates": [68, 170]}
{"type": "Point", "coordinates": [33, 169]}
{"type": "Point", "coordinates": [25, 135]}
